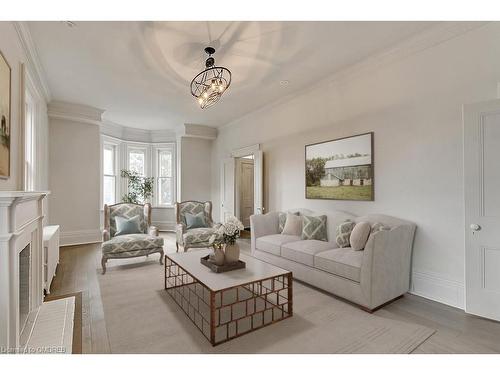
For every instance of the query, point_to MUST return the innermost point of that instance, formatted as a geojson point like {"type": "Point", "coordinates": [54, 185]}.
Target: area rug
{"type": "Point", "coordinates": [142, 318]}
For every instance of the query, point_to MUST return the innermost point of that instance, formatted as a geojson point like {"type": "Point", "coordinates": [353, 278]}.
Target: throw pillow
{"type": "Point", "coordinates": [378, 227]}
{"type": "Point", "coordinates": [293, 225]}
{"type": "Point", "coordinates": [314, 228]}
{"type": "Point", "coordinates": [127, 226]}
{"type": "Point", "coordinates": [343, 233]}
{"type": "Point", "coordinates": [359, 235]}
{"type": "Point", "coordinates": [282, 219]}
{"type": "Point", "coordinates": [195, 221]}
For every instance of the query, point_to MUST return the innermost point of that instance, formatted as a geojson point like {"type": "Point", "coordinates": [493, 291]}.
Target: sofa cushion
{"type": "Point", "coordinates": [131, 242]}
{"type": "Point", "coordinates": [303, 251]}
{"type": "Point", "coordinates": [198, 235]}
{"type": "Point", "coordinates": [282, 219]}
{"type": "Point", "coordinates": [272, 243]}
{"type": "Point", "coordinates": [344, 262]}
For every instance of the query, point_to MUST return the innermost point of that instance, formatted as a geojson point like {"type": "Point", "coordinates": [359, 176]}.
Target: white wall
{"type": "Point", "coordinates": [414, 106]}
{"type": "Point", "coordinates": [195, 168]}
{"type": "Point", "coordinates": [74, 180]}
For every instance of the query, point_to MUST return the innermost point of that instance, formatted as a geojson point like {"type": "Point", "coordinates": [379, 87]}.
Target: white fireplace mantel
{"type": "Point", "coordinates": [21, 216]}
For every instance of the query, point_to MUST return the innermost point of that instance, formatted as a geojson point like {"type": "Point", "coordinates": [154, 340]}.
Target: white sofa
{"type": "Point", "coordinates": [370, 278]}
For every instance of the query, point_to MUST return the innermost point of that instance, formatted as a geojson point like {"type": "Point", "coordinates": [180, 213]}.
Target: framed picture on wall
{"type": "Point", "coordinates": [341, 169]}
{"type": "Point", "coordinates": [4, 118]}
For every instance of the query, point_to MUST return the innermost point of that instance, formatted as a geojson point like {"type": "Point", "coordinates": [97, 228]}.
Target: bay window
{"type": "Point", "coordinates": [147, 159]}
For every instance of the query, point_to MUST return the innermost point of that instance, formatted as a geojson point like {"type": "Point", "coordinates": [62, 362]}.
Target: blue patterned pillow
{"type": "Point", "coordinates": [195, 221]}
{"type": "Point", "coordinates": [127, 226]}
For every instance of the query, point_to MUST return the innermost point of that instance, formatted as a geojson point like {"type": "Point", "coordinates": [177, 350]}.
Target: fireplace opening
{"type": "Point", "coordinates": [24, 285]}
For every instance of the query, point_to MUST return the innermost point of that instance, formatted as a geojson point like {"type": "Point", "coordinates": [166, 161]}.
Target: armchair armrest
{"type": "Point", "coordinates": [387, 263]}
{"type": "Point", "coordinates": [153, 231]}
{"type": "Point", "coordinates": [263, 225]}
{"type": "Point", "coordinates": [105, 235]}
{"type": "Point", "coordinates": [180, 229]}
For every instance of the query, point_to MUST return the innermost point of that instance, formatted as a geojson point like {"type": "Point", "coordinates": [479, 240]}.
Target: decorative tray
{"type": "Point", "coordinates": [224, 268]}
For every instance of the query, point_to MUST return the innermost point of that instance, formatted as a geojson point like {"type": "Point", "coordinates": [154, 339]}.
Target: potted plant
{"type": "Point", "coordinates": [140, 189]}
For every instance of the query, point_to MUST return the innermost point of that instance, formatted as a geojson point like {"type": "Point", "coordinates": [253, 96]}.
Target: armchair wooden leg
{"type": "Point", "coordinates": [177, 246]}
{"type": "Point", "coordinates": [161, 257]}
{"type": "Point", "coordinates": [185, 248]}
{"type": "Point", "coordinates": [103, 264]}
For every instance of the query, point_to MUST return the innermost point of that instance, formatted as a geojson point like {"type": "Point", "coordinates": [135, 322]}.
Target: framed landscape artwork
{"type": "Point", "coordinates": [4, 118]}
{"type": "Point", "coordinates": [341, 169]}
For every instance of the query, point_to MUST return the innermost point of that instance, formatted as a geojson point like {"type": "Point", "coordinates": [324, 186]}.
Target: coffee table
{"type": "Point", "coordinates": [227, 305]}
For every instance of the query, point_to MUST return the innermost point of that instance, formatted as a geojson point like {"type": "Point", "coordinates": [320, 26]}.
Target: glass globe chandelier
{"type": "Point", "coordinates": [209, 85]}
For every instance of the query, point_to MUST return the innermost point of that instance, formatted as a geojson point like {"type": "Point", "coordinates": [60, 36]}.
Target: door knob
{"type": "Point", "coordinates": [475, 227]}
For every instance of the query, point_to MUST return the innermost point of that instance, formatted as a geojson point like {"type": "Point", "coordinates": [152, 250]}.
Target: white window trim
{"type": "Point", "coordinates": [122, 150]}
{"type": "Point", "coordinates": [156, 148]}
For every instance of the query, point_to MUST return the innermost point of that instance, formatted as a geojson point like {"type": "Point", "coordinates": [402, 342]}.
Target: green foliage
{"type": "Point", "coordinates": [140, 188]}
{"type": "Point", "coordinates": [315, 170]}
{"type": "Point", "coordinates": [357, 193]}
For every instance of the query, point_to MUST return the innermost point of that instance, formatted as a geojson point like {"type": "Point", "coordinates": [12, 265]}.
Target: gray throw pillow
{"type": "Point", "coordinates": [195, 221]}
{"type": "Point", "coordinates": [343, 233]}
{"type": "Point", "coordinates": [359, 235]}
{"type": "Point", "coordinates": [314, 228]}
{"type": "Point", "coordinates": [127, 226]}
{"type": "Point", "coordinates": [376, 227]}
{"type": "Point", "coordinates": [282, 219]}
{"type": "Point", "coordinates": [293, 225]}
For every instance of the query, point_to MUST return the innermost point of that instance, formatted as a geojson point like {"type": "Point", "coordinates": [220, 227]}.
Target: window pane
{"type": "Point", "coordinates": [109, 160]}
{"type": "Point", "coordinates": [165, 162]}
{"type": "Point", "coordinates": [109, 190]}
{"type": "Point", "coordinates": [136, 161]}
{"type": "Point", "coordinates": [164, 190]}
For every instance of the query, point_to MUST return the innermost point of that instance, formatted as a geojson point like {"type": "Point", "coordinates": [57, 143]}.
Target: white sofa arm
{"type": "Point", "coordinates": [385, 272]}
{"type": "Point", "coordinates": [263, 225]}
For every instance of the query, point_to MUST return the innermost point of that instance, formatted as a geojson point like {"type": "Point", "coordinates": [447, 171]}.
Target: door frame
{"type": "Point", "coordinates": [472, 115]}
{"type": "Point", "coordinates": [258, 176]}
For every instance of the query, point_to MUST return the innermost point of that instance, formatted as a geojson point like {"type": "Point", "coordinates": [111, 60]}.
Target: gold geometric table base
{"type": "Point", "coordinates": [223, 315]}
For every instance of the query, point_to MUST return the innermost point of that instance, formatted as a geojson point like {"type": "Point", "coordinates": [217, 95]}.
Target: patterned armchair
{"type": "Point", "coordinates": [197, 237]}
{"type": "Point", "coordinates": [129, 245]}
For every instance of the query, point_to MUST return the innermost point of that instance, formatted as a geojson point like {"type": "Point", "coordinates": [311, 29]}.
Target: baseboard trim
{"type": "Point", "coordinates": [437, 288]}
{"type": "Point", "coordinates": [79, 237]}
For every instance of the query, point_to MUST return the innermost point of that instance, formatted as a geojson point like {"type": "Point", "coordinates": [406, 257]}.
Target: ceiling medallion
{"type": "Point", "coordinates": [209, 85]}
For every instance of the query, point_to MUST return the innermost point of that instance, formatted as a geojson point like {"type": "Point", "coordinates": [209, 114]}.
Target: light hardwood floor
{"type": "Point", "coordinates": [456, 332]}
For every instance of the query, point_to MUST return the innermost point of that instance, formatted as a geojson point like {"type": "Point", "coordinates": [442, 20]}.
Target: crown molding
{"type": "Point", "coordinates": [125, 133]}
{"type": "Point", "coordinates": [75, 112]}
{"type": "Point", "coordinates": [428, 38]}
{"type": "Point", "coordinates": [32, 58]}
{"type": "Point", "coordinates": [198, 131]}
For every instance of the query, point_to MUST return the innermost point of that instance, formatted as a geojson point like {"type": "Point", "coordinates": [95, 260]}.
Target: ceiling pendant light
{"type": "Point", "coordinates": [209, 85]}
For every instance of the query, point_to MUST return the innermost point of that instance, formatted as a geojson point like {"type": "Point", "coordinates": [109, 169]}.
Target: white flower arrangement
{"type": "Point", "coordinates": [228, 232]}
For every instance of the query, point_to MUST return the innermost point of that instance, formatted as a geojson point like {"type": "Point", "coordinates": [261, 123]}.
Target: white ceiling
{"type": "Point", "coordinates": [140, 72]}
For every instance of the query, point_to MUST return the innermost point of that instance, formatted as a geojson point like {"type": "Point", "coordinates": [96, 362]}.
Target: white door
{"type": "Point", "coordinates": [246, 190]}
{"type": "Point", "coordinates": [227, 189]}
{"type": "Point", "coordinates": [258, 195]}
{"type": "Point", "coordinates": [482, 208]}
